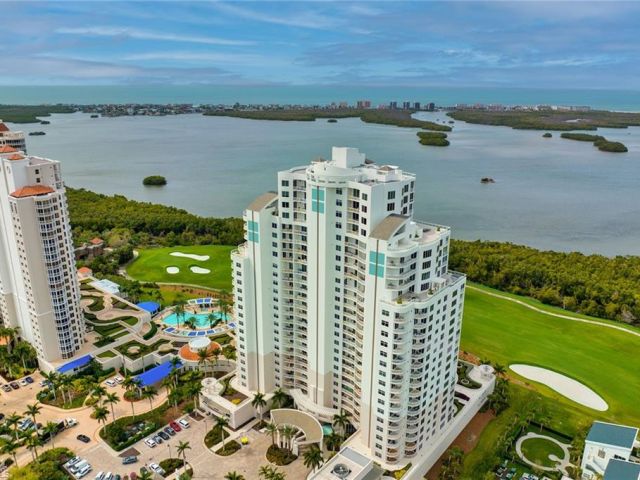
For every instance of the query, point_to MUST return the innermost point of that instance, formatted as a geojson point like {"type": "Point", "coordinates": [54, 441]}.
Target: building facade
{"type": "Point", "coordinates": [346, 302]}
{"type": "Point", "coordinates": [39, 291]}
{"type": "Point", "coordinates": [12, 139]}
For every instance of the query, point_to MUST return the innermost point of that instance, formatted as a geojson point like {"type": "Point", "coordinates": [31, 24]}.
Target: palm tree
{"type": "Point", "coordinates": [279, 398]}
{"type": "Point", "coordinates": [313, 457]}
{"type": "Point", "coordinates": [65, 382]}
{"type": "Point", "coordinates": [33, 442]}
{"type": "Point", "coordinates": [204, 354]}
{"type": "Point", "coordinates": [8, 334]}
{"type": "Point", "coordinates": [12, 421]}
{"type": "Point", "coordinates": [182, 450]}
{"type": "Point", "coordinates": [98, 391]}
{"type": "Point", "coordinates": [341, 421]}
{"type": "Point", "coordinates": [112, 399]}
{"type": "Point", "coordinates": [287, 433]}
{"type": "Point", "coordinates": [259, 403]}
{"type": "Point", "coordinates": [333, 441]}
{"type": "Point", "coordinates": [266, 472]}
{"type": "Point", "coordinates": [212, 320]}
{"type": "Point", "coordinates": [33, 410]}
{"type": "Point", "coordinates": [131, 384]}
{"type": "Point", "coordinates": [499, 369]}
{"type": "Point", "coordinates": [233, 476]}
{"type": "Point", "coordinates": [149, 393]}
{"type": "Point", "coordinates": [221, 423]}
{"type": "Point", "coordinates": [193, 390]}
{"type": "Point", "coordinates": [11, 447]}
{"type": "Point", "coordinates": [191, 322]}
{"type": "Point", "coordinates": [53, 378]}
{"type": "Point", "coordinates": [101, 414]}
{"type": "Point", "coordinates": [51, 428]}
{"type": "Point", "coordinates": [175, 364]}
{"type": "Point", "coordinates": [271, 429]}
{"type": "Point", "coordinates": [179, 310]}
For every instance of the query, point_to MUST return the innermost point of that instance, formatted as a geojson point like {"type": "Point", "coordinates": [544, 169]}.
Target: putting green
{"type": "Point", "coordinates": [537, 450]}
{"type": "Point", "coordinates": [152, 263]}
{"type": "Point", "coordinates": [604, 359]}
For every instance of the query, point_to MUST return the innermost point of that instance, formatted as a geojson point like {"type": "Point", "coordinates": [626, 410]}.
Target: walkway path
{"type": "Point", "coordinates": [562, 463]}
{"type": "Point", "coordinates": [559, 315]}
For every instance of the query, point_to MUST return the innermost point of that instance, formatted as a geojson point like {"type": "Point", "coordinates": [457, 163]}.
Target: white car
{"type": "Point", "coordinates": [23, 382]}
{"type": "Point", "coordinates": [72, 462]}
{"type": "Point", "coordinates": [157, 468]}
{"type": "Point", "coordinates": [83, 471]}
{"type": "Point", "coordinates": [110, 383]}
{"type": "Point", "coordinates": [183, 423]}
{"type": "Point", "coordinates": [118, 379]}
{"type": "Point", "coordinates": [71, 422]}
{"type": "Point", "coordinates": [108, 476]}
{"type": "Point", "coordinates": [150, 442]}
{"type": "Point", "coordinates": [99, 476]}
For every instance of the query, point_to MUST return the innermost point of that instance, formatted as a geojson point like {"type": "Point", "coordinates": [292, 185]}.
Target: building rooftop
{"type": "Point", "coordinates": [348, 464]}
{"type": "Point", "coordinates": [622, 470]}
{"type": "Point", "coordinates": [385, 229]}
{"type": "Point", "coordinates": [32, 190]}
{"type": "Point", "coordinates": [262, 201]}
{"type": "Point", "coordinates": [7, 149]}
{"type": "Point", "coordinates": [612, 434]}
{"type": "Point", "coordinates": [3, 127]}
{"type": "Point", "coordinates": [156, 374]}
{"type": "Point", "coordinates": [75, 364]}
{"type": "Point", "coordinates": [307, 423]}
{"type": "Point", "coordinates": [16, 156]}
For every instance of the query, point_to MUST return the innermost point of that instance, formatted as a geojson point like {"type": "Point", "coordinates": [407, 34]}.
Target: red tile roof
{"type": "Point", "coordinates": [32, 190]}
{"type": "Point", "coordinates": [84, 270]}
{"type": "Point", "coordinates": [7, 149]}
{"type": "Point", "coordinates": [186, 353]}
{"type": "Point", "coordinates": [16, 156]}
{"type": "Point", "coordinates": [96, 241]}
{"type": "Point", "coordinates": [3, 128]}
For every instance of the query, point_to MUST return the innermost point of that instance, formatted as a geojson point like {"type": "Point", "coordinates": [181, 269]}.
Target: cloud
{"type": "Point", "coordinates": [126, 32]}
{"type": "Point", "coordinates": [216, 57]}
{"type": "Point", "coordinates": [305, 19]}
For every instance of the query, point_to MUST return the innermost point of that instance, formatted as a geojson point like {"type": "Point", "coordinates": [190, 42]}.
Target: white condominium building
{"type": "Point", "coordinates": [346, 302]}
{"type": "Point", "coordinates": [12, 139]}
{"type": "Point", "coordinates": [39, 290]}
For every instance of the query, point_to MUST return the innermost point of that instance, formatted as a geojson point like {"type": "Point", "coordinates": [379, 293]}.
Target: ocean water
{"type": "Point", "coordinates": [549, 193]}
{"type": "Point", "coordinates": [311, 95]}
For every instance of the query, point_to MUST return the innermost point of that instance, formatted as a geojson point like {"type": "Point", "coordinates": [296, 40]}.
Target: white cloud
{"type": "Point", "coordinates": [216, 57]}
{"type": "Point", "coordinates": [307, 19]}
{"type": "Point", "coordinates": [102, 31]}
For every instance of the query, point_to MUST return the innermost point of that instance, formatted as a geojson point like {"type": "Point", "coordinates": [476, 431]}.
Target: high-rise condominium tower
{"type": "Point", "coordinates": [346, 302]}
{"type": "Point", "coordinates": [12, 139]}
{"type": "Point", "coordinates": [39, 290]}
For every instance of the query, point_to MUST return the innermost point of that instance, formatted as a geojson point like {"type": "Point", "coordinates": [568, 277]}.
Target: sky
{"type": "Point", "coordinates": [534, 44]}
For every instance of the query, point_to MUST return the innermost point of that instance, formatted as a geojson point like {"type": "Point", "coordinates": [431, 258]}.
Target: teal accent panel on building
{"type": "Point", "coordinates": [376, 264]}
{"type": "Point", "coordinates": [253, 234]}
{"type": "Point", "coordinates": [317, 200]}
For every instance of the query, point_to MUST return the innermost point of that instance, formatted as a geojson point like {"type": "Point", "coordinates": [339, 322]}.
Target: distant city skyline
{"type": "Point", "coordinates": [570, 44]}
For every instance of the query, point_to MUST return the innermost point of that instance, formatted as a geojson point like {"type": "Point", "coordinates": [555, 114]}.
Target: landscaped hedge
{"type": "Point", "coordinates": [154, 417]}
{"type": "Point", "coordinates": [214, 436]}
{"type": "Point", "coordinates": [152, 332]}
{"type": "Point", "coordinates": [280, 456]}
{"type": "Point", "coordinates": [229, 449]}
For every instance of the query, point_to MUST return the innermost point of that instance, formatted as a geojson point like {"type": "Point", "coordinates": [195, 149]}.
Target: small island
{"type": "Point", "coordinates": [547, 135]}
{"type": "Point", "coordinates": [95, 115]}
{"type": "Point", "coordinates": [487, 180]}
{"type": "Point", "coordinates": [332, 120]}
{"type": "Point", "coordinates": [33, 134]}
{"type": "Point", "coordinates": [435, 139]}
{"type": "Point", "coordinates": [154, 180]}
{"type": "Point", "coordinates": [598, 141]}
{"type": "Point", "coordinates": [45, 122]}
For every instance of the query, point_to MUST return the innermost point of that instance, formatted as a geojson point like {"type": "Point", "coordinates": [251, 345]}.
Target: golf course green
{"type": "Point", "coordinates": [152, 263]}
{"type": "Point", "coordinates": [602, 358]}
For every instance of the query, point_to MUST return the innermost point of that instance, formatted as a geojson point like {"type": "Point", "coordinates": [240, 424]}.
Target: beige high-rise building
{"type": "Point", "coordinates": [39, 291]}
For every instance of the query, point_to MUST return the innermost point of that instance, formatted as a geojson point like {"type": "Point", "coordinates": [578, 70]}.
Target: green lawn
{"type": "Point", "coordinates": [606, 360]}
{"type": "Point", "coordinates": [152, 263]}
{"type": "Point", "coordinates": [537, 450]}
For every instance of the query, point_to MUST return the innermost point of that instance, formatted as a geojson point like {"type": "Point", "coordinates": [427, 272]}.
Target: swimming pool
{"type": "Point", "coordinates": [202, 319]}
{"type": "Point", "coordinates": [327, 429]}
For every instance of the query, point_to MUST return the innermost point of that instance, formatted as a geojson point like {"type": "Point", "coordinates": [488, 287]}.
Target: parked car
{"type": "Point", "coordinates": [6, 388]}
{"type": "Point", "coordinates": [183, 423]}
{"type": "Point", "coordinates": [157, 439]}
{"type": "Point", "coordinates": [14, 385]}
{"type": "Point", "coordinates": [23, 382]}
{"type": "Point", "coordinates": [156, 468]}
{"type": "Point", "coordinates": [108, 476]}
{"type": "Point", "coordinates": [170, 431]}
{"type": "Point", "coordinates": [118, 379]}
{"type": "Point", "coordinates": [72, 462]}
{"type": "Point", "coordinates": [110, 383]}
{"type": "Point", "coordinates": [83, 438]}
{"type": "Point", "coordinates": [28, 380]}
{"type": "Point", "coordinates": [130, 459]}
{"type": "Point", "coordinates": [133, 476]}
{"type": "Point", "coordinates": [117, 477]}
{"type": "Point", "coordinates": [164, 435]}
{"type": "Point", "coordinates": [99, 476]}
{"type": "Point", "coordinates": [71, 422]}
{"type": "Point", "coordinates": [175, 426]}
{"type": "Point", "coordinates": [83, 471]}
{"type": "Point", "coordinates": [1, 416]}
{"type": "Point", "coordinates": [150, 442]}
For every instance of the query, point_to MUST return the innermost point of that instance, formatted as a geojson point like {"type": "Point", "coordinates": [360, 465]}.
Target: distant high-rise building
{"type": "Point", "coordinates": [363, 104]}
{"type": "Point", "coordinates": [406, 105]}
{"type": "Point", "coordinates": [416, 105]}
{"type": "Point", "coordinates": [393, 105]}
{"type": "Point", "coordinates": [344, 104]}
{"type": "Point", "coordinates": [346, 302]}
{"type": "Point", "coordinates": [39, 291]}
{"type": "Point", "coordinates": [12, 139]}
{"type": "Point", "coordinates": [431, 106]}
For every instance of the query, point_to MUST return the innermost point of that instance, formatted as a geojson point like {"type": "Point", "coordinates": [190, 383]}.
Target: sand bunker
{"type": "Point", "coordinates": [568, 387]}
{"type": "Point", "coordinates": [192, 256]}
{"type": "Point", "coordinates": [199, 270]}
{"type": "Point", "coordinates": [173, 270]}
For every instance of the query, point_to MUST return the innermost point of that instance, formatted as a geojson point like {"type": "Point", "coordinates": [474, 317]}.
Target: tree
{"type": "Point", "coordinates": [193, 390]}
{"type": "Point", "coordinates": [233, 476]}
{"type": "Point", "coordinates": [333, 441]}
{"type": "Point", "coordinates": [53, 378]}
{"type": "Point", "coordinates": [341, 421]}
{"type": "Point", "coordinates": [452, 464]}
{"type": "Point", "coordinates": [33, 442]}
{"type": "Point", "coordinates": [51, 429]}
{"type": "Point", "coordinates": [212, 320]}
{"type": "Point", "coordinates": [33, 410]}
{"type": "Point", "coordinates": [279, 398]}
{"type": "Point", "coordinates": [258, 402]}
{"type": "Point", "coordinates": [10, 447]}
{"type": "Point", "coordinates": [221, 423]}
{"type": "Point", "coordinates": [313, 457]}
{"type": "Point", "coordinates": [12, 421]}
{"type": "Point", "coordinates": [97, 392]}
{"type": "Point", "coordinates": [271, 429]}
{"type": "Point", "coordinates": [112, 399]}
{"type": "Point", "coordinates": [204, 354]}
{"type": "Point", "coordinates": [180, 310]}
{"type": "Point", "coordinates": [182, 450]}
{"type": "Point", "coordinates": [101, 414]}
{"type": "Point", "coordinates": [149, 393]}
{"type": "Point", "coordinates": [145, 475]}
